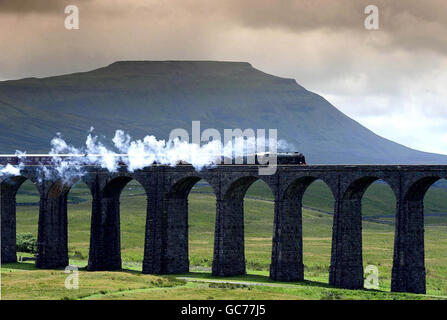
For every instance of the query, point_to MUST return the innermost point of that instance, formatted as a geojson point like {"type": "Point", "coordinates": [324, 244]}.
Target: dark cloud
{"type": "Point", "coordinates": [309, 14]}
{"type": "Point", "coordinates": [36, 6]}
{"type": "Point", "coordinates": [111, 29]}
{"type": "Point", "coordinates": [410, 24]}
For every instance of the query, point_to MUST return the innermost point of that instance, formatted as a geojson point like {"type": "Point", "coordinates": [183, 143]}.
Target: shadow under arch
{"type": "Point", "coordinates": [9, 189]}
{"type": "Point", "coordinates": [106, 223]}
{"type": "Point", "coordinates": [175, 219]}
{"type": "Point", "coordinates": [229, 248]}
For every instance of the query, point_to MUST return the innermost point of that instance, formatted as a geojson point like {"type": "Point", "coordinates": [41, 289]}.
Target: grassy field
{"type": "Point", "coordinates": [22, 280]}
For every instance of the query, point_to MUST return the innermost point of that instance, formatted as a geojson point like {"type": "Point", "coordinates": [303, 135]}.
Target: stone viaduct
{"type": "Point", "coordinates": [166, 238]}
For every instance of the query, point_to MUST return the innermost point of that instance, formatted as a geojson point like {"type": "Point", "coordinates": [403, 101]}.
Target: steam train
{"type": "Point", "coordinates": [288, 158]}
{"type": "Point", "coordinates": [293, 158]}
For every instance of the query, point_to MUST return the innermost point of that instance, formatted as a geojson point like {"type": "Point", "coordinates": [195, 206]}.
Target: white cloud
{"type": "Point", "coordinates": [413, 130]}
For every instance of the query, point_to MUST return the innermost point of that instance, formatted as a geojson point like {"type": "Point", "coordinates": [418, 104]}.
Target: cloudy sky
{"type": "Point", "coordinates": [392, 80]}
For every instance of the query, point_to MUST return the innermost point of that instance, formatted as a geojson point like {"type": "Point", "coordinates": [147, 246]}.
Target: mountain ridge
{"type": "Point", "coordinates": [154, 97]}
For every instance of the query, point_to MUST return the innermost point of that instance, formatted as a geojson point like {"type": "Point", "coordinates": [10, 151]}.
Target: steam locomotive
{"type": "Point", "coordinates": [288, 158]}
{"type": "Point", "coordinates": [292, 158]}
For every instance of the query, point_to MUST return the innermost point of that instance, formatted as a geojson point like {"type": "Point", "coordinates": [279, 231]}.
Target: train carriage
{"type": "Point", "coordinates": [293, 158]}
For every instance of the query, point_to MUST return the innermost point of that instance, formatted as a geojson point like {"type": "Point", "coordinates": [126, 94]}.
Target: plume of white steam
{"type": "Point", "coordinates": [284, 146]}
{"type": "Point", "coordinates": [108, 160]}
{"type": "Point", "coordinates": [137, 154]}
{"type": "Point", "coordinates": [10, 170]}
{"type": "Point", "coordinates": [143, 153]}
{"type": "Point", "coordinates": [65, 168]}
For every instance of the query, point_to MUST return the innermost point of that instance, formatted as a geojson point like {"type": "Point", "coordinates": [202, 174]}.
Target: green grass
{"type": "Point", "coordinates": [24, 281]}
{"type": "Point", "coordinates": [21, 280]}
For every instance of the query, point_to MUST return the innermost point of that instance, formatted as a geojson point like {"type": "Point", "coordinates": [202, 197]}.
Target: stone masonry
{"type": "Point", "coordinates": [166, 238]}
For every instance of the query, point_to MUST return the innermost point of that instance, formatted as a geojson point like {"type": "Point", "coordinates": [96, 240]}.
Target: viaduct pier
{"type": "Point", "coordinates": [166, 237]}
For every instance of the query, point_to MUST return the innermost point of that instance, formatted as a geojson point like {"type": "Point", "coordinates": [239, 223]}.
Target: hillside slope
{"type": "Point", "coordinates": [154, 97]}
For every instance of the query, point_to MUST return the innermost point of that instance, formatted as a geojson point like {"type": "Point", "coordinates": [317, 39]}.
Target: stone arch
{"type": "Point", "coordinates": [409, 273]}
{"type": "Point", "coordinates": [57, 202]}
{"type": "Point", "coordinates": [417, 190]}
{"type": "Point", "coordinates": [237, 188]}
{"type": "Point", "coordinates": [62, 187]}
{"type": "Point", "coordinates": [356, 197]}
{"type": "Point", "coordinates": [53, 225]}
{"type": "Point", "coordinates": [347, 255]}
{"type": "Point", "coordinates": [259, 219]}
{"type": "Point", "coordinates": [357, 188]}
{"type": "Point", "coordinates": [229, 248]}
{"type": "Point", "coordinates": [105, 236]}
{"type": "Point", "coordinates": [9, 187]}
{"type": "Point", "coordinates": [287, 251]}
{"type": "Point", "coordinates": [11, 184]}
{"type": "Point", "coordinates": [298, 186]}
{"type": "Point", "coordinates": [181, 187]}
{"type": "Point", "coordinates": [115, 186]}
{"type": "Point", "coordinates": [176, 221]}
